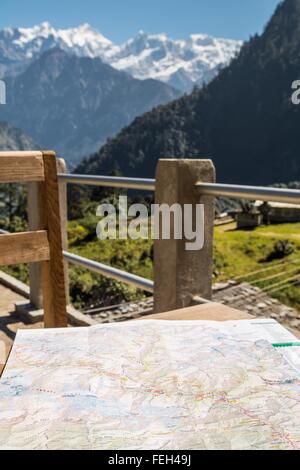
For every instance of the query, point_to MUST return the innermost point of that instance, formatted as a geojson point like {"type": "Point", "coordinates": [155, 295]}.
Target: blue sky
{"type": "Point", "coordinates": [120, 19]}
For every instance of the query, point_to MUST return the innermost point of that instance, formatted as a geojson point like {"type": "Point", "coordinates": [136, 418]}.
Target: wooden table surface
{"type": "Point", "coordinates": [212, 312]}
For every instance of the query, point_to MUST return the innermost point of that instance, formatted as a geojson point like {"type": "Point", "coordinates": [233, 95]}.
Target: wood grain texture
{"type": "Point", "coordinates": [37, 220]}
{"type": "Point", "coordinates": [211, 312]}
{"type": "Point", "coordinates": [179, 273]}
{"type": "Point", "coordinates": [22, 153]}
{"type": "Point", "coordinates": [29, 247]}
{"type": "Point", "coordinates": [21, 167]}
{"type": "Point", "coordinates": [54, 293]}
{"type": "Point", "coordinates": [63, 207]}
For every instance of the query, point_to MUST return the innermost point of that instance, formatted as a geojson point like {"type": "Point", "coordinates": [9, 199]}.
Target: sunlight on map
{"type": "Point", "coordinates": [151, 385]}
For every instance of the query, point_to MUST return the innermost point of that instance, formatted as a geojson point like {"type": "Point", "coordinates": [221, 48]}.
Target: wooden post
{"type": "Point", "coordinates": [54, 289]}
{"type": "Point", "coordinates": [63, 207]}
{"type": "Point", "coordinates": [181, 274]}
{"type": "Point", "coordinates": [37, 220]}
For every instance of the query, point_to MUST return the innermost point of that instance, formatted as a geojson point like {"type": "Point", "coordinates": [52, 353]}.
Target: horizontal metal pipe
{"type": "Point", "coordinates": [289, 196]}
{"type": "Point", "coordinates": [109, 181]}
{"type": "Point", "coordinates": [113, 273]}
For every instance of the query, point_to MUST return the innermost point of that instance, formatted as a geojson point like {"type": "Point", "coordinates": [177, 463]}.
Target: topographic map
{"type": "Point", "coordinates": [150, 385]}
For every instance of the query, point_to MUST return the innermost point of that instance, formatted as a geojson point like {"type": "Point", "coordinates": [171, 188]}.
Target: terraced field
{"type": "Point", "coordinates": [247, 256]}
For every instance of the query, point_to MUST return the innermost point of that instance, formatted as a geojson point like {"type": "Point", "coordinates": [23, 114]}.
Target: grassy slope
{"type": "Point", "coordinates": [243, 251]}
{"type": "Point", "coordinates": [236, 253]}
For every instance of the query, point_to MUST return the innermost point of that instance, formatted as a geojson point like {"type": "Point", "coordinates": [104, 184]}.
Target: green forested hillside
{"type": "Point", "coordinates": [244, 120]}
{"type": "Point", "coordinates": [73, 104]}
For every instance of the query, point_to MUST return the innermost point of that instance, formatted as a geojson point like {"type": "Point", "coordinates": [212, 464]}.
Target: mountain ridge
{"type": "Point", "coordinates": [180, 63]}
{"type": "Point", "coordinates": [244, 119]}
{"type": "Point", "coordinates": [74, 104]}
{"type": "Point", "coordinates": [12, 138]}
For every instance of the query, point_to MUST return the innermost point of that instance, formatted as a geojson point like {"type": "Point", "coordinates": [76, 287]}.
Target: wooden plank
{"type": "Point", "coordinates": [179, 273]}
{"type": "Point", "coordinates": [63, 207]}
{"type": "Point", "coordinates": [211, 312]}
{"type": "Point", "coordinates": [28, 247]}
{"type": "Point", "coordinates": [21, 153]}
{"type": "Point", "coordinates": [37, 220]}
{"type": "Point", "coordinates": [18, 167]}
{"type": "Point", "coordinates": [54, 293]}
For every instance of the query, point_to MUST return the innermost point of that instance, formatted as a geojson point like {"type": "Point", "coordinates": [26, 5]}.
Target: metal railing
{"type": "Point", "coordinates": [109, 181]}
{"type": "Point", "coordinates": [288, 196]}
{"type": "Point", "coordinates": [207, 189]}
{"type": "Point", "coordinates": [113, 273]}
{"type": "Point", "coordinates": [140, 184]}
{"type": "Point", "coordinates": [99, 268]}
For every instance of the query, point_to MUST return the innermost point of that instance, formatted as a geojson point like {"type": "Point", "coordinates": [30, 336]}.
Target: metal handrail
{"type": "Point", "coordinates": [108, 271]}
{"type": "Point", "coordinates": [141, 184]}
{"type": "Point", "coordinates": [207, 189]}
{"type": "Point", "coordinates": [289, 196]}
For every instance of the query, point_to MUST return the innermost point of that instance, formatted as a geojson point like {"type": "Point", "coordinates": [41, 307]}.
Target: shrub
{"type": "Point", "coordinates": [281, 249]}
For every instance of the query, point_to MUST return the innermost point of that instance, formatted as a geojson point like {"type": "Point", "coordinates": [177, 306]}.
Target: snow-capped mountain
{"type": "Point", "coordinates": [74, 104]}
{"type": "Point", "coordinates": [20, 46]}
{"type": "Point", "coordinates": [180, 63]}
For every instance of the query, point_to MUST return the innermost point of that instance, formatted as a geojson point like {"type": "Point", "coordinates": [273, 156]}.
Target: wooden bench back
{"type": "Point", "coordinates": [44, 245]}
